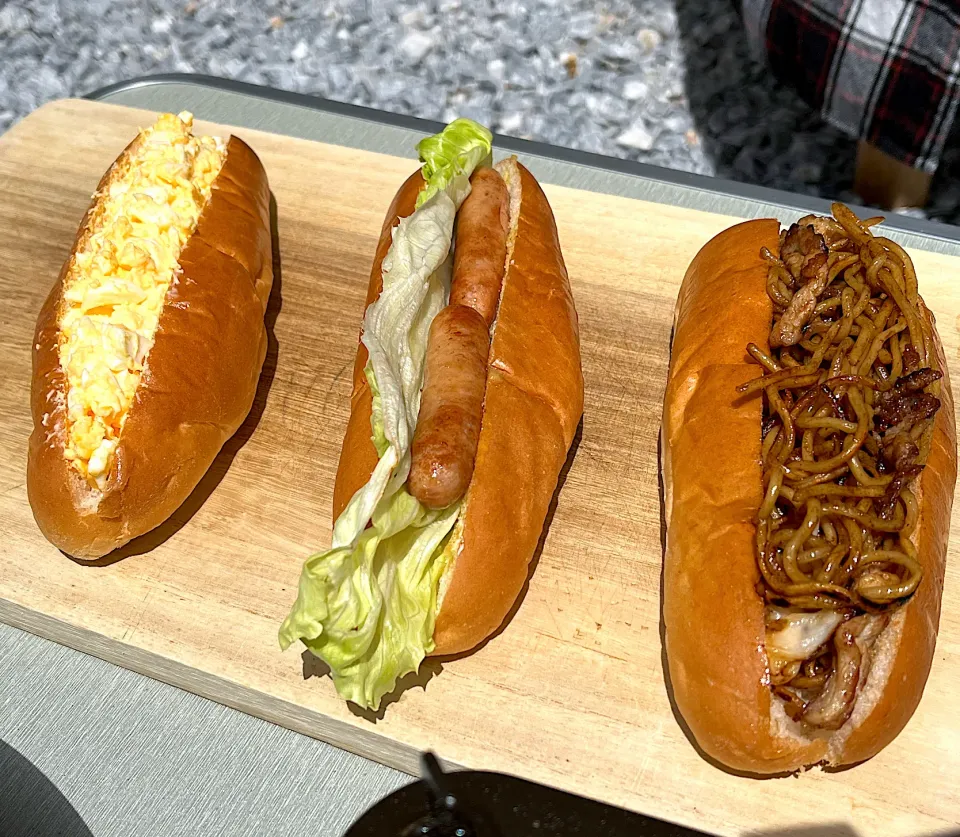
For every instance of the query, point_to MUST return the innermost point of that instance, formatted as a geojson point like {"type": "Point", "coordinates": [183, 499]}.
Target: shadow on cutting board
{"type": "Point", "coordinates": [31, 804]}
{"type": "Point", "coordinates": [429, 668]}
{"type": "Point", "coordinates": [218, 470]}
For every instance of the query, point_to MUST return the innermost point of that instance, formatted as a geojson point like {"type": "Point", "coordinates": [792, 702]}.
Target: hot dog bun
{"type": "Point", "coordinates": [713, 616]}
{"type": "Point", "coordinates": [199, 378]}
{"type": "Point", "coordinates": [532, 406]}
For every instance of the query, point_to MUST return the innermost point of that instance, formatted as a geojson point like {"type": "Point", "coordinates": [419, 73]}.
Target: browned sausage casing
{"type": "Point", "coordinates": [451, 407]}
{"type": "Point", "coordinates": [480, 246]}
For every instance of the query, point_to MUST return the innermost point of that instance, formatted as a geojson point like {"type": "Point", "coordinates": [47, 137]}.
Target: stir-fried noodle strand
{"type": "Point", "coordinates": [849, 384]}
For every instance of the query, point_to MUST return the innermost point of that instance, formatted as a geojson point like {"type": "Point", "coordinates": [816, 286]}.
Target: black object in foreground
{"type": "Point", "coordinates": [483, 804]}
{"type": "Point", "coordinates": [30, 804]}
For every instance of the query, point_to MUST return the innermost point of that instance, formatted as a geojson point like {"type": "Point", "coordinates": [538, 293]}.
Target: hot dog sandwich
{"type": "Point", "coordinates": [809, 463]}
{"type": "Point", "coordinates": [467, 392]}
{"type": "Point", "coordinates": [148, 349]}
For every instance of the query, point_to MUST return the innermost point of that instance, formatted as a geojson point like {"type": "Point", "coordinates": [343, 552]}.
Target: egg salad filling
{"type": "Point", "coordinates": [116, 286]}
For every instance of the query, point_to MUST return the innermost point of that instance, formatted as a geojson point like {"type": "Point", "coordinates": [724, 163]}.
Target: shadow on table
{"type": "Point", "coordinates": [758, 130]}
{"type": "Point", "coordinates": [755, 129]}
{"type": "Point", "coordinates": [31, 804]}
{"type": "Point", "coordinates": [944, 202]}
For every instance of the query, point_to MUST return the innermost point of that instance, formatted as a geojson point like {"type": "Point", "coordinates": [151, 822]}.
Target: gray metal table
{"type": "Point", "coordinates": [114, 753]}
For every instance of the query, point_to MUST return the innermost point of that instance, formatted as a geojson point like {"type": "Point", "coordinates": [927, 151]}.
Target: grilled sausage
{"type": "Point", "coordinates": [480, 246]}
{"type": "Point", "coordinates": [451, 407]}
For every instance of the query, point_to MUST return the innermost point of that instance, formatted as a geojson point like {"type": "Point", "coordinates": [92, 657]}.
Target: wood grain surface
{"type": "Point", "coordinates": [572, 694]}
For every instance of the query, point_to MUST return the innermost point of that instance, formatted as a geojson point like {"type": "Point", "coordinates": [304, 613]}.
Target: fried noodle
{"type": "Point", "coordinates": [850, 387]}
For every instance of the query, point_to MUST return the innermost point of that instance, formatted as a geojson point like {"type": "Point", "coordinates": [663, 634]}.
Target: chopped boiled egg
{"type": "Point", "coordinates": [115, 288]}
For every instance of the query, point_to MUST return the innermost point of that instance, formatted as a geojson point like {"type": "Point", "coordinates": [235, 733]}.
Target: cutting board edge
{"type": "Point", "coordinates": [368, 744]}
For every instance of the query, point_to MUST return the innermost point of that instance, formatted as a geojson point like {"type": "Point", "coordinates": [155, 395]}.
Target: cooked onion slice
{"type": "Point", "coordinates": [798, 636]}
{"type": "Point", "coordinates": [853, 642]}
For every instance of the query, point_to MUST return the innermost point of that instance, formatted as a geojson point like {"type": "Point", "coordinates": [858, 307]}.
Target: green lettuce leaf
{"type": "Point", "coordinates": [378, 437]}
{"type": "Point", "coordinates": [456, 151]}
{"type": "Point", "coordinates": [369, 611]}
{"type": "Point", "coordinates": [367, 605]}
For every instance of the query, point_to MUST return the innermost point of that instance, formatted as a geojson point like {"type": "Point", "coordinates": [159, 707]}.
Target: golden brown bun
{"type": "Point", "coordinates": [197, 386]}
{"type": "Point", "coordinates": [909, 659]}
{"type": "Point", "coordinates": [712, 478]}
{"type": "Point", "coordinates": [532, 405]}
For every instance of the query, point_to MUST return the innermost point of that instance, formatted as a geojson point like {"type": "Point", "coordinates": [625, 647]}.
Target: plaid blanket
{"type": "Point", "coordinates": [885, 71]}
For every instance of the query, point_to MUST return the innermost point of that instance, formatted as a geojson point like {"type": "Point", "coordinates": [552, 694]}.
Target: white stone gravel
{"type": "Point", "coordinates": [668, 82]}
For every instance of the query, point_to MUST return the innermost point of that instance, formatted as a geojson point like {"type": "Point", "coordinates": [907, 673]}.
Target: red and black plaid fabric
{"type": "Point", "coordinates": [885, 71]}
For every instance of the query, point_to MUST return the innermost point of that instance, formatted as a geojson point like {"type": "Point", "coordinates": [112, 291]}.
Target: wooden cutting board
{"type": "Point", "coordinates": [572, 694]}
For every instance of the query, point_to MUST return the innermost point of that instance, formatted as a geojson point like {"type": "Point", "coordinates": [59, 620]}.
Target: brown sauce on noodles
{"type": "Point", "coordinates": [850, 383]}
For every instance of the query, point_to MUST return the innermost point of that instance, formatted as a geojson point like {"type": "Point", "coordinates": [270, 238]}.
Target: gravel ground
{"type": "Point", "coordinates": [669, 82]}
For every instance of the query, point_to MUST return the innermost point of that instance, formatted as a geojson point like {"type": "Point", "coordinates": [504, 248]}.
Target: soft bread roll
{"type": "Point", "coordinates": [713, 615]}
{"type": "Point", "coordinates": [199, 379]}
{"type": "Point", "coordinates": [532, 406]}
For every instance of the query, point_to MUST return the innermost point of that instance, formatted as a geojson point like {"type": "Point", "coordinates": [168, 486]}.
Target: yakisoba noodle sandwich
{"type": "Point", "coordinates": [467, 394]}
{"type": "Point", "coordinates": [148, 350]}
{"type": "Point", "coordinates": [809, 462]}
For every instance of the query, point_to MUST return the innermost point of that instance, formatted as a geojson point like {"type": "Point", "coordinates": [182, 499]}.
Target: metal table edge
{"type": "Point", "coordinates": [633, 168]}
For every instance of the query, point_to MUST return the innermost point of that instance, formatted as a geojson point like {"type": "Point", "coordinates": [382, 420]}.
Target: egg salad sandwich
{"type": "Point", "coordinates": [148, 349]}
